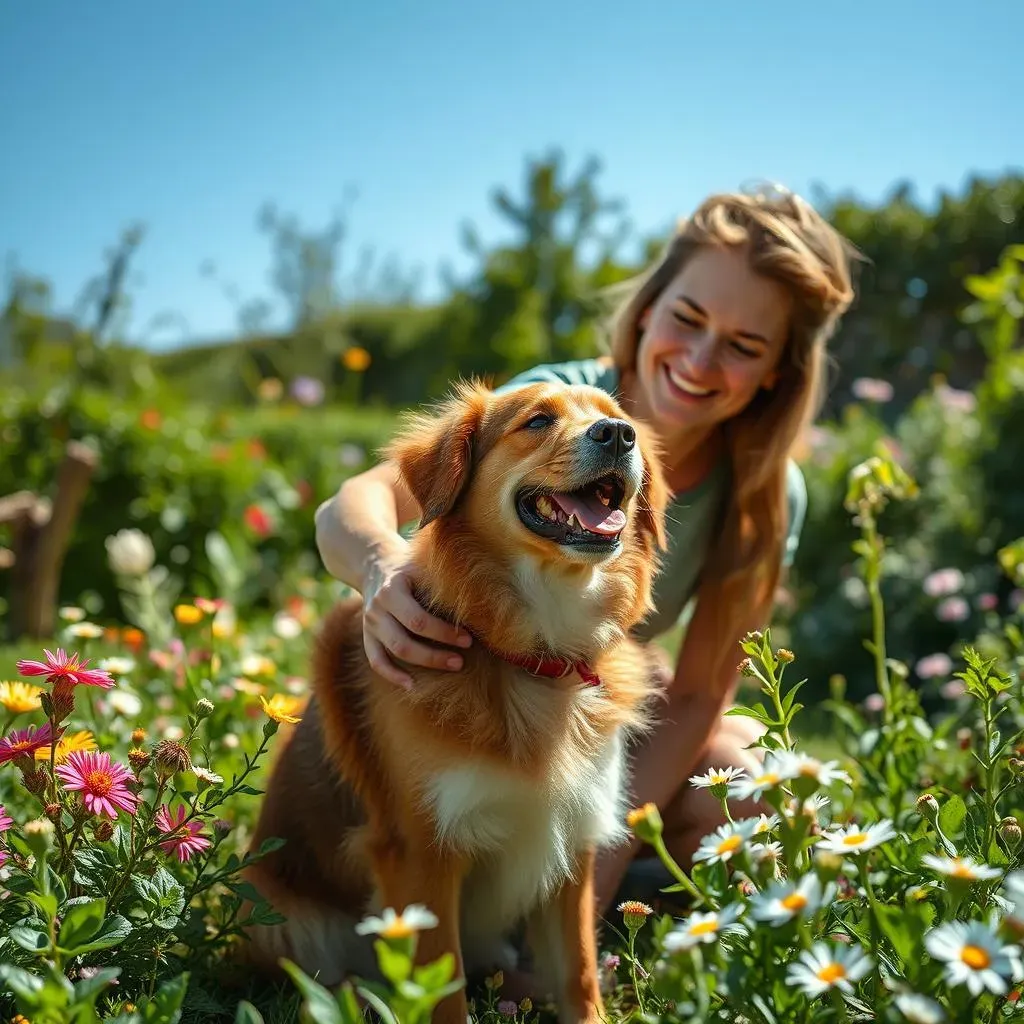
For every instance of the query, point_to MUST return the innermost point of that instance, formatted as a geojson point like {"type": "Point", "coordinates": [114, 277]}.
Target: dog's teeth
{"type": "Point", "coordinates": [545, 508]}
{"type": "Point", "coordinates": [574, 523]}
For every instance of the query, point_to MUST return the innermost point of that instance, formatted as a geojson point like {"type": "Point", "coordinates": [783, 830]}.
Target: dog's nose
{"type": "Point", "coordinates": [616, 436]}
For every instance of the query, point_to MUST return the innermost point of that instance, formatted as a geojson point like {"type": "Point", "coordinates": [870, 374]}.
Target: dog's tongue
{"type": "Point", "coordinates": [592, 514]}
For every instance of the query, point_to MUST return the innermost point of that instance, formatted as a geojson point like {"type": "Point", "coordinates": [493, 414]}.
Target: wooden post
{"type": "Point", "coordinates": [41, 534]}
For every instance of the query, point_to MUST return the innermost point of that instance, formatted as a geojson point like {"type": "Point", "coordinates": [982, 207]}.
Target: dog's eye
{"type": "Point", "coordinates": [539, 421]}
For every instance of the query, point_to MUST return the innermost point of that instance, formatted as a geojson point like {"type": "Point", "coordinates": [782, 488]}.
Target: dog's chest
{"type": "Point", "coordinates": [521, 834]}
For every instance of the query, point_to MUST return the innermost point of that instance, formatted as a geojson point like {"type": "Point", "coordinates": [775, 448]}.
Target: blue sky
{"type": "Point", "coordinates": [189, 116]}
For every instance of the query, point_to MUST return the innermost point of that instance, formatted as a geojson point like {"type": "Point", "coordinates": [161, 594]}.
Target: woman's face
{"type": "Point", "coordinates": [710, 341]}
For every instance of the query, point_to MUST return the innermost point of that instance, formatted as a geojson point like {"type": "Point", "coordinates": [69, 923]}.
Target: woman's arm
{"type": "Point", "coordinates": [670, 752]}
{"type": "Point", "coordinates": [359, 543]}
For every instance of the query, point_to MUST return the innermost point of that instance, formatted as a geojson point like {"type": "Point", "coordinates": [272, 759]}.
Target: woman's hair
{"type": "Point", "coordinates": [788, 241]}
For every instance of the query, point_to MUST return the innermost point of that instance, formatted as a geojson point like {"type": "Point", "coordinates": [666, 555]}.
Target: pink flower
{"type": "Point", "coordinates": [874, 702]}
{"type": "Point", "coordinates": [6, 821]}
{"type": "Point", "coordinates": [25, 742]}
{"type": "Point", "coordinates": [870, 389]}
{"type": "Point", "coordinates": [956, 400]}
{"type": "Point", "coordinates": [508, 1007]}
{"type": "Point", "coordinates": [183, 839]}
{"type": "Point", "coordinates": [67, 669]}
{"type": "Point", "coordinates": [3, 857]}
{"type": "Point", "coordinates": [943, 582]}
{"type": "Point", "coordinates": [933, 665]}
{"type": "Point", "coordinates": [953, 609]}
{"type": "Point", "coordinates": [101, 782]}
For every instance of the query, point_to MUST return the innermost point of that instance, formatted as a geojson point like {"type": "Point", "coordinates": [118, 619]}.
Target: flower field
{"type": "Point", "coordinates": [884, 880]}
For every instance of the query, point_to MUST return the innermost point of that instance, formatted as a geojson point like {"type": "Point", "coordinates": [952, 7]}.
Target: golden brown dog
{"type": "Point", "coordinates": [482, 794]}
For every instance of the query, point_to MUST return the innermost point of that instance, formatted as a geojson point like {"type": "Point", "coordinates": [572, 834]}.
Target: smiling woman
{"type": "Point", "coordinates": [720, 350]}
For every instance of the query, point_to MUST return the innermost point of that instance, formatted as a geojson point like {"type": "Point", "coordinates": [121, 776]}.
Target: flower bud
{"type": "Point", "coordinates": [746, 668]}
{"type": "Point", "coordinates": [928, 807]}
{"type": "Point", "coordinates": [52, 811]}
{"type": "Point", "coordinates": [645, 822]}
{"type": "Point", "coordinates": [1009, 829]}
{"type": "Point", "coordinates": [635, 914]}
{"type": "Point", "coordinates": [204, 708]}
{"type": "Point", "coordinates": [138, 759]}
{"type": "Point", "coordinates": [785, 656]}
{"type": "Point", "coordinates": [138, 737]}
{"type": "Point", "coordinates": [34, 780]}
{"type": "Point", "coordinates": [59, 703]}
{"type": "Point", "coordinates": [170, 758]}
{"type": "Point", "coordinates": [526, 1005]}
{"type": "Point", "coordinates": [222, 827]}
{"type": "Point", "coordinates": [38, 836]}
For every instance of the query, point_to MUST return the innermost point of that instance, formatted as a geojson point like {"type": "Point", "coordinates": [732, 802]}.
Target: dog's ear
{"type": "Point", "coordinates": [654, 494]}
{"type": "Point", "coordinates": [434, 451]}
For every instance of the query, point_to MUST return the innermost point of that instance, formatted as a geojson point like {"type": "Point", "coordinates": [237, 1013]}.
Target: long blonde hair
{"type": "Point", "coordinates": [788, 241]}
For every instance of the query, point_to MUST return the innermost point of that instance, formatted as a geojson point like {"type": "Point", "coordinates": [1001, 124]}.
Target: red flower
{"type": "Point", "coordinates": [67, 669]}
{"type": "Point", "coordinates": [258, 521]}
{"type": "Point", "coordinates": [183, 840]}
{"type": "Point", "coordinates": [25, 742]}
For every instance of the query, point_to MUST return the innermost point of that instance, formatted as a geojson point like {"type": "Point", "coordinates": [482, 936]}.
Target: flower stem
{"type": "Point", "coordinates": [632, 971]}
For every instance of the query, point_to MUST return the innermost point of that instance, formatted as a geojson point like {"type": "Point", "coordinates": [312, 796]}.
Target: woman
{"type": "Point", "coordinates": [720, 347]}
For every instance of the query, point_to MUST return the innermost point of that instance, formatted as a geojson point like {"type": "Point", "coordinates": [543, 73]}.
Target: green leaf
{"type": "Point", "coordinates": [86, 991]}
{"type": "Point", "coordinates": [349, 1005]}
{"type": "Point", "coordinates": [165, 1005]}
{"type": "Point", "coordinates": [394, 964]}
{"type": "Point", "coordinates": [82, 920]}
{"type": "Point", "coordinates": [787, 701]}
{"type": "Point", "coordinates": [317, 1002]}
{"type": "Point", "coordinates": [30, 938]}
{"type": "Point", "coordinates": [900, 929]}
{"type": "Point", "coordinates": [27, 987]}
{"type": "Point", "coordinates": [440, 972]}
{"type": "Point", "coordinates": [758, 712]}
{"type": "Point", "coordinates": [385, 1011]}
{"type": "Point", "coordinates": [46, 902]}
{"type": "Point", "coordinates": [951, 816]}
{"type": "Point", "coordinates": [114, 931]}
{"type": "Point", "coordinates": [246, 1013]}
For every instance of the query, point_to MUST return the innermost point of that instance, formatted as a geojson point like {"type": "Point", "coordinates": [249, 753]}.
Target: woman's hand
{"type": "Point", "coordinates": [393, 620]}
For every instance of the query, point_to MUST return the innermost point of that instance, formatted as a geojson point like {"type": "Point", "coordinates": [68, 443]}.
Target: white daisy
{"type": "Point", "coordinates": [767, 778]}
{"type": "Point", "coordinates": [1013, 891]}
{"type": "Point", "coordinates": [117, 666]}
{"type": "Point", "coordinates": [85, 630]}
{"type": "Point", "coordinates": [960, 867]}
{"type": "Point", "coordinates": [257, 665]}
{"type": "Point", "coordinates": [857, 838]}
{"type": "Point", "coordinates": [974, 957]}
{"type": "Point", "coordinates": [824, 967]}
{"type": "Point", "coordinates": [415, 918]}
{"type": "Point", "coordinates": [919, 1009]}
{"type": "Point", "coordinates": [124, 702]}
{"type": "Point", "coordinates": [809, 808]}
{"type": "Point", "coordinates": [725, 842]}
{"type": "Point", "coordinates": [792, 766]}
{"type": "Point", "coordinates": [785, 901]}
{"type": "Point", "coordinates": [287, 626]}
{"type": "Point", "coordinates": [205, 775]}
{"type": "Point", "coordinates": [766, 823]}
{"type": "Point", "coordinates": [766, 853]}
{"type": "Point", "coordinates": [702, 928]}
{"type": "Point", "coordinates": [717, 777]}
{"type": "Point", "coordinates": [71, 613]}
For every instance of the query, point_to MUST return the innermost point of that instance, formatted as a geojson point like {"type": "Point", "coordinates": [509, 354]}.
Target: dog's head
{"type": "Point", "coordinates": [547, 492]}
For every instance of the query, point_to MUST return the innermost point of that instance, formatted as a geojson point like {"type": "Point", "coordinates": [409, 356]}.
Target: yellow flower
{"type": "Point", "coordinates": [244, 685]}
{"type": "Point", "coordinates": [282, 708]}
{"type": "Point", "coordinates": [645, 822]}
{"type": "Point", "coordinates": [70, 743]}
{"type": "Point", "coordinates": [17, 696]}
{"type": "Point", "coordinates": [258, 665]}
{"type": "Point", "coordinates": [355, 359]}
{"type": "Point", "coordinates": [187, 614]}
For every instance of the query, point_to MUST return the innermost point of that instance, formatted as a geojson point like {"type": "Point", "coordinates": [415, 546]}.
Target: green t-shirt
{"type": "Point", "coordinates": [692, 516]}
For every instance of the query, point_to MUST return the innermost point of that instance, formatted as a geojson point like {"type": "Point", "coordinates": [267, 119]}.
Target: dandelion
{"type": "Point", "coordinates": [785, 901]}
{"type": "Point", "coordinates": [183, 838]}
{"type": "Point", "coordinates": [857, 839]}
{"type": "Point", "coordinates": [282, 708]}
{"type": "Point", "coordinates": [822, 968]}
{"type": "Point", "coordinates": [718, 780]}
{"type": "Point", "coordinates": [415, 918]}
{"type": "Point", "coordinates": [919, 1009]}
{"type": "Point", "coordinates": [973, 956]}
{"type": "Point", "coordinates": [62, 669]}
{"type": "Point", "coordinates": [25, 742]}
{"type": "Point", "coordinates": [724, 843]}
{"type": "Point", "coordinates": [76, 742]}
{"type": "Point", "coordinates": [101, 782]}
{"type": "Point", "coordinates": [18, 697]}
{"type": "Point", "coordinates": [960, 867]}
{"type": "Point", "coordinates": [748, 788]}
{"type": "Point", "coordinates": [700, 928]}
{"type": "Point", "coordinates": [85, 631]}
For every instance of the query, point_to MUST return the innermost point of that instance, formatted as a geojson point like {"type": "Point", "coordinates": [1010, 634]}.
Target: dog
{"type": "Point", "coordinates": [482, 794]}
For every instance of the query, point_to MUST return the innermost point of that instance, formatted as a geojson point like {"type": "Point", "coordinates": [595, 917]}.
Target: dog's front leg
{"type": "Point", "coordinates": [416, 871]}
{"type": "Point", "coordinates": [563, 940]}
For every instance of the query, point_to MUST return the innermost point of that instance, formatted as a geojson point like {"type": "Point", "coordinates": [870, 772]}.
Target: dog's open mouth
{"type": "Point", "coordinates": [589, 516]}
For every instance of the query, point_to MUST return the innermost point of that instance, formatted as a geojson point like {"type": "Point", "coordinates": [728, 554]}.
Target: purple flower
{"type": "Point", "coordinates": [307, 391]}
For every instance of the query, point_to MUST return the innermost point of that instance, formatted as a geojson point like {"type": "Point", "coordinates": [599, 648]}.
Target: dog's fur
{"type": "Point", "coordinates": [483, 794]}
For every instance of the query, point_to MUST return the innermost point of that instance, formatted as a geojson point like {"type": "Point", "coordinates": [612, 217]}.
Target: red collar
{"type": "Point", "coordinates": [550, 666]}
